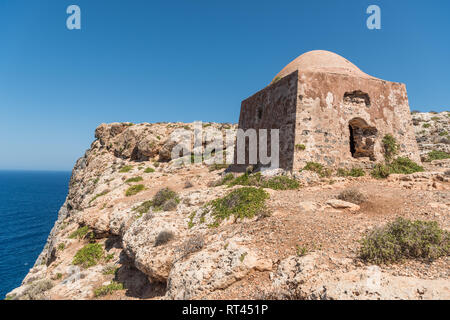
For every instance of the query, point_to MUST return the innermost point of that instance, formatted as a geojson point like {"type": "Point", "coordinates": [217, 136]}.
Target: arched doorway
{"type": "Point", "coordinates": [362, 138]}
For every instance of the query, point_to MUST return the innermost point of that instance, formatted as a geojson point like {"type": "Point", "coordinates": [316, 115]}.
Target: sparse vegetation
{"type": "Point", "coordinates": [352, 195]}
{"type": "Point", "coordinates": [300, 147]}
{"type": "Point", "coordinates": [405, 239]}
{"type": "Point", "coordinates": [80, 233]}
{"type": "Point", "coordinates": [242, 203]}
{"type": "Point", "coordinates": [98, 196]}
{"type": "Point", "coordinates": [110, 270]}
{"type": "Point", "coordinates": [193, 244]}
{"type": "Point", "coordinates": [35, 290]}
{"type": "Point", "coordinates": [217, 166]}
{"type": "Point", "coordinates": [401, 165]}
{"type": "Point", "coordinates": [131, 191]}
{"type": "Point", "coordinates": [134, 179]}
{"type": "Point", "coordinates": [426, 125]}
{"type": "Point", "coordinates": [257, 180]}
{"type": "Point", "coordinates": [149, 170]}
{"type": "Point", "coordinates": [89, 255]}
{"type": "Point", "coordinates": [390, 147]}
{"type": "Point", "coordinates": [301, 251]}
{"type": "Point", "coordinates": [61, 246]}
{"type": "Point", "coordinates": [353, 172]}
{"type": "Point", "coordinates": [438, 155]}
{"type": "Point", "coordinates": [143, 208]}
{"type": "Point", "coordinates": [443, 133]}
{"type": "Point", "coordinates": [125, 169]}
{"type": "Point", "coordinates": [164, 237]}
{"type": "Point", "coordinates": [108, 289]}
{"type": "Point", "coordinates": [163, 196]}
{"type": "Point", "coordinates": [318, 168]}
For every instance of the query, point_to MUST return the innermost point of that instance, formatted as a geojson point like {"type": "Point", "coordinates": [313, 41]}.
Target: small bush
{"type": "Point", "coordinates": [108, 289]}
{"type": "Point", "coordinates": [426, 125]}
{"type": "Point", "coordinates": [443, 133]}
{"type": "Point", "coordinates": [353, 196]}
{"type": "Point", "coordinates": [435, 118]}
{"type": "Point", "coordinates": [404, 166]}
{"type": "Point", "coordinates": [125, 169]}
{"type": "Point", "coordinates": [354, 172]}
{"type": "Point", "coordinates": [110, 270]}
{"type": "Point", "coordinates": [35, 290]}
{"type": "Point", "coordinates": [98, 196]}
{"type": "Point", "coordinates": [405, 239]}
{"type": "Point", "coordinates": [134, 179]}
{"type": "Point", "coordinates": [162, 196]}
{"type": "Point", "coordinates": [61, 246]}
{"type": "Point", "coordinates": [80, 233]}
{"type": "Point", "coordinates": [163, 237]}
{"type": "Point", "coordinates": [89, 255]}
{"type": "Point", "coordinates": [401, 165]}
{"type": "Point", "coordinates": [217, 166]}
{"type": "Point", "coordinates": [131, 191]}
{"type": "Point", "coordinates": [149, 170]}
{"type": "Point", "coordinates": [241, 203]}
{"type": "Point", "coordinates": [257, 180]}
{"type": "Point", "coordinates": [438, 155]}
{"type": "Point", "coordinates": [318, 168]}
{"type": "Point", "coordinates": [300, 147]}
{"type": "Point", "coordinates": [170, 205]}
{"type": "Point", "coordinates": [390, 146]}
{"type": "Point", "coordinates": [192, 245]}
{"type": "Point", "coordinates": [301, 251]}
{"type": "Point", "coordinates": [143, 208]}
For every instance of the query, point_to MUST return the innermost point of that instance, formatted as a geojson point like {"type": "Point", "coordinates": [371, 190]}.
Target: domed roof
{"type": "Point", "coordinates": [322, 61]}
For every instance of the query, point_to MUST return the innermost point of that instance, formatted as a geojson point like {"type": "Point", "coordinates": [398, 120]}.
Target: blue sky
{"type": "Point", "coordinates": [149, 61]}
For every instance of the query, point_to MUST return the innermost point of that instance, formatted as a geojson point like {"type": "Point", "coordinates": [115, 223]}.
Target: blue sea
{"type": "Point", "coordinates": [29, 205]}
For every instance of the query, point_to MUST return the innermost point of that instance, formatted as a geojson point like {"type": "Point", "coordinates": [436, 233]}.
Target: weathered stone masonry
{"type": "Point", "coordinates": [339, 113]}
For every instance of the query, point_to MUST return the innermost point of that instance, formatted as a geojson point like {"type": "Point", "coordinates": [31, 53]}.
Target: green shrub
{"type": "Point", "coordinates": [125, 169]}
{"type": "Point", "coordinates": [354, 172]}
{"type": "Point", "coordinates": [61, 246]}
{"type": "Point", "coordinates": [217, 166]}
{"type": "Point", "coordinates": [390, 146]}
{"type": "Point", "coordinates": [280, 183]}
{"type": "Point", "coordinates": [134, 179]}
{"type": "Point", "coordinates": [353, 196]}
{"type": "Point", "coordinates": [257, 180]}
{"type": "Point", "coordinates": [164, 237]}
{"type": "Point", "coordinates": [405, 239]}
{"type": "Point", "coordinates": [301, 251]}
{"type": "Point", "coordinates": [300, 147]}
{"type": "Point", "coordinates": [89, 255]}
{"type": "Point", "coordinates": [435, 118]}
{"type": "Point", "coordinates": [318, 168]}
{"type": "Point", "coordinates": [80, 233]}
{"type": "Point", "coordinates": [110, 270]}
{"type": "Point", "coordinates": [149, 170]}
{"type": "Point", "coordinates": [404, 166]}
{"type": "Point", "coordinates": [242, 203]}
{"type": "Point", "coordinates": [443, 133]}
{"type": "Point", "coordinates": [401, 165]}
{"type": "Point", "coordinates": [143, 208]}
{"type": "Point", "coordinates": [131, 191]}
{"type": "Point", "coordinates": [98, 196]}
{"type": "Point", "coordinates": [162, 196]}
{"type": "Point", "coordinates": [438, 155]}
{"type": "Point", "coordinates": [108, 289]}
{"type": "Point", "coordinates": [426, 125]}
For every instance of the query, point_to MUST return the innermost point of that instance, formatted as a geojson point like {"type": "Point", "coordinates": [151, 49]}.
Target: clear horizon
{"type": "Point", "coordinates": [141, 61]}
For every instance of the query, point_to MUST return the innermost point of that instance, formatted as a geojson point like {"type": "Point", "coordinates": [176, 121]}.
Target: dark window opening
{"type": "Point", "coordinates": [357, 97]}
{"type": "Point", "coordinates": [260, 111]}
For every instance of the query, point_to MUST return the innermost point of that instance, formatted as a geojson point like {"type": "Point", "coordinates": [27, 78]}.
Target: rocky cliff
{"type": "Point", "coordinates": [138, 225]}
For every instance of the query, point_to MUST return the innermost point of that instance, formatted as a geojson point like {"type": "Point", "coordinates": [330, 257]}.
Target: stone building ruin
{"type": "Point", "coordinates": [328, 111]}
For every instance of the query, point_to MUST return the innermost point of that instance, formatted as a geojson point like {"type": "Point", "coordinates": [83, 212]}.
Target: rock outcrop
{"type": "Point", "coordinates": [178, 251]}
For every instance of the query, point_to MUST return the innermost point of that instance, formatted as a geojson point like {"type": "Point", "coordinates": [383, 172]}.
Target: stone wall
{"type": "Point", "coordinates": [273, 108]}
{"type": "Point", "coordinates": [328, 103]}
